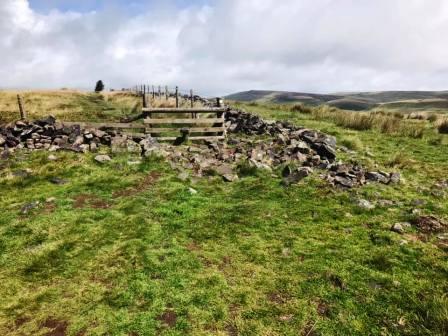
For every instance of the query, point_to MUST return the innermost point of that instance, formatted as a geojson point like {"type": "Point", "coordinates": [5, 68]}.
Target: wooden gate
{"type": "Point", "coordinates": [201, 123]}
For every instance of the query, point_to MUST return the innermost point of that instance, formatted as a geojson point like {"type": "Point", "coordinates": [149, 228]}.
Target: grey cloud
{"type": "Point", "coordinates": [230, 45]}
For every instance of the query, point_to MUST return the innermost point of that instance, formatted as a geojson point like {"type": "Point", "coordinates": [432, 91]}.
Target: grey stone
{"type": "Point", "coordinates": [58, 181]}
{"type": "Point", "coordinates": [53, 148]}
{"type": "Point", "coordinates": [28, 207]}
{"type": "Point", "coordinates": [52, 158]}
{"type": "Point", "coordinates": [79, 140]}
{"type": "Point", "coordinates": [224, 169]}
{"type": "Point", "coordinates": [93, 147]}
{"type": "Point", "coordinates": [377, 177]}
{"type": "Point", "coordinates": [192, 191]}
{"type": "Point", "coordinates": [84, 148]}
{"type": "Point", "coordinates": [343, 182]}
{"type": "Point", "coordinates": [394, 178]}
{"type": "Point", "coordinates": [400, 227]}
{"type": "Point", "coordinates": [183, 176]}
{"type": "Point", "coordinates": [297, 175]}
{"type": "Point", "coordinates": [230, 177]}
{"type": "Point", "coordinates": [133, 147]}
{"type": "Point", "coordinates": [119, 144]}
{"type": "Point", "coordinates": [365, 204]}
{"type": "Point", "coordinates": [102, 158]}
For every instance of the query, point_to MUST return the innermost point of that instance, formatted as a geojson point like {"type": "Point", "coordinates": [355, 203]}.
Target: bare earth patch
{"type": "Point", "coordinates": [58, 328]}
{"type": "Point", "coordinates": [169, 318]}
{"type": "Point", "coordinates": [148, 181]}
{"type": "Point", "coordinates": [90, 201]}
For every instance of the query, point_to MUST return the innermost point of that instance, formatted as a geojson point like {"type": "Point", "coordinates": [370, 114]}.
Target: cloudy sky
{"type": "Point", "coordinates": [224, 46]}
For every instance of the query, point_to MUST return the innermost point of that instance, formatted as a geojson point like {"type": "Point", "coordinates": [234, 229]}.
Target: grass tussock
{"type": "Point", "coordinates": [352, 142]}
{"type": "Point", "coordinates": [301, 108]}
{"type": "Point", "coordinates": [443, 127]}
{"type": "Point", "coordinates": [385, 122]}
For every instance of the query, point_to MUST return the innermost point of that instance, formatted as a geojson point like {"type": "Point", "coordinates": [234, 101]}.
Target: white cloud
{"type": "Point", "coordinates": [231, 45]}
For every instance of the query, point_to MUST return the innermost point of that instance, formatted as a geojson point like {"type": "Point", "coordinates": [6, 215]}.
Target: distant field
{"type": "Point", "coordinates": [436, 101]}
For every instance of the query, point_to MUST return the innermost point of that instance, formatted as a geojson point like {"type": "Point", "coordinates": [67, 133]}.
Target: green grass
{"type": "Point", "coordinates": [119, 252]}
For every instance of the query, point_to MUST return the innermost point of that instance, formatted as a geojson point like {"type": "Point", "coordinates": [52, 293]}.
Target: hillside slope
{"type": "Point", "coordinates": [350, 100]}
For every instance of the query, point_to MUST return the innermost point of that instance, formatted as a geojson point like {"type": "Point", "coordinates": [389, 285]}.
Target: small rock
{"type": "Point", "coordinates": [183, 176]}
{"type": "Point", "coordinates": [93, 147]}
{"type": "Point", "coordinates": [394, 178]}
{"type": "Point", "coordinates": [230, 177]}
{"type": "Point", "coordinates": [133, 147]}
{"type": "Point", "coordinates": [192, 191]}
{"type": "Point", "coordinates": [28, 207]}
{"type": "Point", "coordinates": [53, 148]}
{"type": "Point", "coordinates": [50, 200]}
{"type": "Point", "coordinates": [58, 181]}
{"type": "Point", "coordinates": [398, 228]}
{"type": "Point", "coordinates": [52, 158]}
{"type": "Point", "coordinates": [102, 158]}
{"type": "Point", "coordinates": [343, 182]}
{"type": "Point", "coordinates": [297, 175]}
{"type": "Point", "coordinates": [84, 148]}
{"type": "Point", "coordinates": [79, 140]}
{"type": "Point", "coordinates": [365, 204]}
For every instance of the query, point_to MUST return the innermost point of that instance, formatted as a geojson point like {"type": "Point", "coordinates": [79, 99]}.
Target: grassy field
{"type": "Point", "coordinates": [125, 248]}
{"type": "Point", "coordinates": [69, 105]}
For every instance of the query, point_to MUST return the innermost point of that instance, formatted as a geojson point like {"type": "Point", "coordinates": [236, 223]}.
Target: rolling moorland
{"type": "Point", "coordinates": [128, 247]}
{"type": "Point", "coordinates": [357, 101]}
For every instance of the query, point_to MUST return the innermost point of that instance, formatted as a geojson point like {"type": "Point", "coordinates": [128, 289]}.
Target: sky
{"type": "Point", "coordinates": [218, 47]}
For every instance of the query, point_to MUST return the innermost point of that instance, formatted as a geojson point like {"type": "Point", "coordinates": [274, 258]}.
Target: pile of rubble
{"type": "Point", "coordinates": [293, 150]}
{"type": "Point", "coordinates": [50, 135]}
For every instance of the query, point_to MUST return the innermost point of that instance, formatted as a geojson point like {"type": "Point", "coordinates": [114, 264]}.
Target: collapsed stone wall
{"type": "Point", "coordinates": [297, 151]}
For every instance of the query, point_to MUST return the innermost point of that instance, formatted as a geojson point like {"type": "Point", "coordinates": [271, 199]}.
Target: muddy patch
{"type": "Point", "coordinates": [193, 246]}
{"type": "Point", "coordinates": [90, 201]}
{"type": "Point", "coordinates": [231, 330]}
{"type": "Point", "coordinates": [168, 318]}
{"type": "Point", "coordinates": [147, 182]}
{"type": "Point", "coordinates": [323, 309]}
{"type": "Point", "coordinates": [278, 298]}
{"type": "Point", "coordinates": [336, 281]}
{"type": "Point", "coordinates": [20, 321]}
{"type": "Point", "coordinates": [57, 327]}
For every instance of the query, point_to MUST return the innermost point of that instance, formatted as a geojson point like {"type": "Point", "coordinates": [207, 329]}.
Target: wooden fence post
{"type": "Point", "coordinates": [177, 97]}
{"type": "Point", "coordinates": [193, 115]}
{"type": "Point", "coordinates": [144, 100]}
{"type": "Point", "coordinates": [167, 94]}
{"type": "Point", "coordinates": [160, 92]}
{"type": "Point", "coordinates": [21, 108]}
{"type": "Point", "coordinates": [153, 92]}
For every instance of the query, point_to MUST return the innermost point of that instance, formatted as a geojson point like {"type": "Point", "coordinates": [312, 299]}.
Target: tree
{"type": "Point", "coordinates": [99, 86]}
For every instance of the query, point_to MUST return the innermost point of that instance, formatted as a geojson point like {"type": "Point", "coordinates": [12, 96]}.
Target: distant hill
{"type": "Point", "coordinates": [356, 101]}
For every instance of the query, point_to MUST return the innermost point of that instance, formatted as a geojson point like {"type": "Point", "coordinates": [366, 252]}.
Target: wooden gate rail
{"type": "Point", "coordinates": [99, 125]}
{"type": "Point", "coordinates": [184, 110]}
